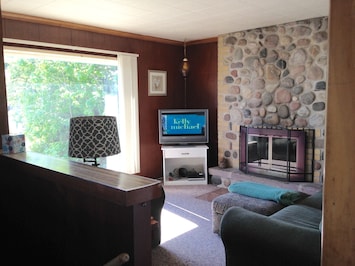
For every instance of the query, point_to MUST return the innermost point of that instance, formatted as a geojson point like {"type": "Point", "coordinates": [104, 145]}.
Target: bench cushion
{"type": "Point", "coordinates": [223, 202]}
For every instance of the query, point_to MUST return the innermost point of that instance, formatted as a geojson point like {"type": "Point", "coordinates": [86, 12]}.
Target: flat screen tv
{"type": "Point", "coordinates": [183, 126]}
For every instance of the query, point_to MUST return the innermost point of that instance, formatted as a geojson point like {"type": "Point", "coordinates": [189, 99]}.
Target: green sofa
{"type": "Point", "coordinates": [290, 236]}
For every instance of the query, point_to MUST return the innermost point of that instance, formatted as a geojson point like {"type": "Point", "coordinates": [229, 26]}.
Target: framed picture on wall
{"type": "Point", "coordinates": [157, 83]}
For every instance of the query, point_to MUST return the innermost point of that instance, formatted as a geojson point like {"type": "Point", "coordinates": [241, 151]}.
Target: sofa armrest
{"type": "Point", "coordinates": [253, 239]}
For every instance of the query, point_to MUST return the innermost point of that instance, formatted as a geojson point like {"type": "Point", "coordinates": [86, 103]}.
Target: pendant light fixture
{"type": "Point", "coordinates": [185, 64]}
{"type": "Point", "coordinates": [185, 70]}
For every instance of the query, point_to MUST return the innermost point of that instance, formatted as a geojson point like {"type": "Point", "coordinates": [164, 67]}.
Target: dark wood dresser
{"type": "Point", "coordinates": [60, 212]}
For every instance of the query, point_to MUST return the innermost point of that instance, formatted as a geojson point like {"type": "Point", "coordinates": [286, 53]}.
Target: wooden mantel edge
{"type": "Point", "coordinates": [143, 189]}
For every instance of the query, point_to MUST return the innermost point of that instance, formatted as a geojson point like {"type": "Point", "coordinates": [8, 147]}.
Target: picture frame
{"type": "Point", "coordinates": [157, 83]}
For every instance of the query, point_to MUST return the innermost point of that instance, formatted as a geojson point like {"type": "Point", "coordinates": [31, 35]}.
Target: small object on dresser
{"type": "Point", "coordinates": [13, 143]}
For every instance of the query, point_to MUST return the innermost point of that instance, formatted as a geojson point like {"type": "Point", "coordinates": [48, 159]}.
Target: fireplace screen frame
{"type": "Point", "coordinates": [298, 153]}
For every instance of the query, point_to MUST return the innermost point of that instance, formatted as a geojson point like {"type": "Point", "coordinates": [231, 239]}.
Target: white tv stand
{"type": "Point", "coordinates": [191, 160]}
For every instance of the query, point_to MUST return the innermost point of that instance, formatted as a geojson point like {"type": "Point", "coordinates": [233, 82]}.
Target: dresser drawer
{"type": "Point", "coordinates": [184, 153]}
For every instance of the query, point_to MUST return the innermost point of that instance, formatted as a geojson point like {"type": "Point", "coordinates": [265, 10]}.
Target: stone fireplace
{"type": "Point", "coordinates": [273, 77]}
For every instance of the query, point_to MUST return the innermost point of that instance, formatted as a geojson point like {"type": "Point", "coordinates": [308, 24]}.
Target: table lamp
{"type": "Point", "coordinates": [91, 137]}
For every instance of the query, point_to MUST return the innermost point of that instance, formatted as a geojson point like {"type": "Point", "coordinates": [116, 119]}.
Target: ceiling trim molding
{"type": "Point", "coordinates": [62, 48]}
{"type": "Point", "coordinates": [75, 26]}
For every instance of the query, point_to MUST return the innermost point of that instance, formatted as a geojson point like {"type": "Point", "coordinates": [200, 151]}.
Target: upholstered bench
{"type": "Point", "coordinates": [223, 202]}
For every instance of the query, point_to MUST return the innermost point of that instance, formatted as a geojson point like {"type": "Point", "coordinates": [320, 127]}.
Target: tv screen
{"type": "Point", "coordinates": [183, 126]}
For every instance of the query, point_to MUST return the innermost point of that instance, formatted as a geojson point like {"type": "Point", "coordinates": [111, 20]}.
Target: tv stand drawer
{"type": "Point", "coordinates": [185, 152]}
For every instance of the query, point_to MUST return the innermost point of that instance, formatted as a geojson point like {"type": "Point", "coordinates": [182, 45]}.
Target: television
{"type": "Point", "coordinates": [183, 126]}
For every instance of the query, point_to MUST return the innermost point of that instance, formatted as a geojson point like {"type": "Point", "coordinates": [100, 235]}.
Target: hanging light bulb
{"type": "Point", "coordinates": [185, 64]}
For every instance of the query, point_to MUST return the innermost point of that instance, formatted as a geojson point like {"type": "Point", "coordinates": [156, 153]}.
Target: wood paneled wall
{"type": "Point", "coordinates": [153, 55]}
{"type": "Point", "coordinates": [4, 125]}
{"type": "Point", "coordinates": [339, 208]}
{"type": "Point", "coordinates": [202, 89]}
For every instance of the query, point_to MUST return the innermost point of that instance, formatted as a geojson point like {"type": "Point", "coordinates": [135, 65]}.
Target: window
{"type": "Point", "coordinates": [45, 88]}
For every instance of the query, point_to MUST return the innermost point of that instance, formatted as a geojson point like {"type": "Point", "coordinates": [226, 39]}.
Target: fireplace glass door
{"type": "Point", "coordinates": [278, 153]}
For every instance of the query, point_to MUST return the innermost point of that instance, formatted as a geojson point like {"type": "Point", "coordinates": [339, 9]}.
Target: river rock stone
{"type": "Point", "coordinates": [228, 80]}
{"type": "Point", "coordinates": [314, 50]}
{"type": "Point", "coordinates": [238, 54]}
{"type": "Point", "coordinates": [294, 105]}
{"type": "Point", "coordinates": [234, 73]}
{"type": "Point", "coordinates": [262, 112]}
{"type": "Point", "coordinates": [246, 113]}
{"type": "Point", "coordinates": [253, 103]}
{"type": "Point", "coordinates": [316, 120]}
{"type": "Point", "coordinates": [231, 135]}
{"type": "Point", "coordinates": [303, 42]}
{"type": "Point", "coordinates": [303, 111]}
{"type": "Point", "coordinates": [320, 36]}
{"type": "Point", "coordinates": [300, 79]}
{"type": "Point", "coordinates": [271, 41]}
{"type": "Point", "coordinates": [301, 31]}
{"type": "Point", "coordinates": [321, 85]}
{"type": "Point", "coordinates": [272, 57]}
{"type": "Point", "coordinates": [299, 57]}
{"type": "Point", "coordinates": [272, 73]}
{"type": "Point", "coordinates": [285, 40]}
{"type": "Point", "coordinates": [257, 121]}
{"type": "Point", "coordinates": [230, 98]}
{"type": "Point", "coordinates": [283, 111]}
{"type": "Point", "coordinates": [315, 73]}
{"type": "Point", "coordinates": [242, 42]}
{"type": "Point", "coordinates": [249, 61]}
{"type": "Point", "coordinates": [296, 70]}
{"type": "Point", "coordinates": [287, 82]}
{"type": "Point", "coordinates": [266, 98]}
{"type": "Point", "coordinates": [271, 109]}
{"type": "Point", "coordinates": [301, 122]}
{"type": "Point", "coordinates": [236, 116]}
{"type": "Point", "coordinates": [308, 98]}
{"type": "Point", "coordinates": [319, 106]}
{"type": "Point", "coordinates": [286, 122]}
{"type": "Point", "coordinates": [281, 64]}
{"type": "Point", "coordinates": [231, 40]}
{"type": "Point", "coordinates": [297, 90]}
{"type": "Point", "coordinates": [258, 84]}
{"type": "Point", "coordinates": [282, 96]}
{"type": "Point", "coordinates": [235, 89]}
{"type": "Point", "coordinates": [272, 119]}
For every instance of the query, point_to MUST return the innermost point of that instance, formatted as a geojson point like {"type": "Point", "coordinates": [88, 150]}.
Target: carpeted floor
{"type": "Point", "coordinates": [187, 237]}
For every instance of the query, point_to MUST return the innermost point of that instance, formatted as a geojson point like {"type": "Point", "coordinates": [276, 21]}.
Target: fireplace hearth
{"type": "Point", "coordinates": [280, 153]}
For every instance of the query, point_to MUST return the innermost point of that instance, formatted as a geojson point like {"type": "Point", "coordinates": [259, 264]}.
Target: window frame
{"type": "Point", "coordinates": [127, 102]}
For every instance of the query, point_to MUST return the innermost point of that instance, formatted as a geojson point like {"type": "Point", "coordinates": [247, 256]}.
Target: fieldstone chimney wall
{"type": "Point", "coordinates": [273, 77]}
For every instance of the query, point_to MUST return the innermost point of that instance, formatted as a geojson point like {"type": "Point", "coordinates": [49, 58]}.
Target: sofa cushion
{"type": "Point", "coordinates": [223, 202]}
{"type": "Point", "coordinates": [253, 239]}
{"type": "Point", "coordinates": [300, 215]}
{"type": "Point", "coordinates": [314, 200]}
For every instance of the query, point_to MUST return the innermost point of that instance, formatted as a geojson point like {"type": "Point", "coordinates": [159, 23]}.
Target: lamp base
{"type": "Point", "coordinates": [93, 161]}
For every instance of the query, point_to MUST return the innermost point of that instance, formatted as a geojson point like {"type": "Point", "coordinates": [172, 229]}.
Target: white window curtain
{"type": "Point", "coordinates": [129, 116]}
